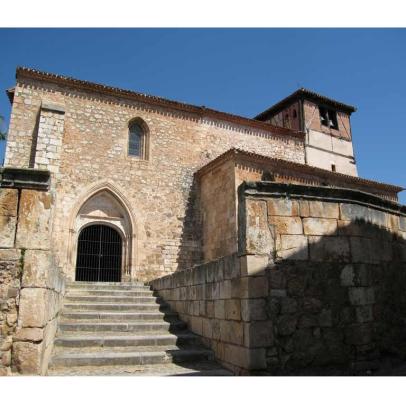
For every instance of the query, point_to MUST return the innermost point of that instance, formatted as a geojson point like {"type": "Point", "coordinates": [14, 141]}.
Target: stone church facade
{"type": "Point", "coordinates": [222, 215]}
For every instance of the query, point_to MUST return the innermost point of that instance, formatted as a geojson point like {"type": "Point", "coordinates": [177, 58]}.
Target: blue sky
{"type": "Point", "coordinates": [241, 71]}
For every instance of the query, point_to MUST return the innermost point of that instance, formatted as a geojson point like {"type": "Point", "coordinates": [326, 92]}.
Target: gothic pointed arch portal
{"type": "Point", "coordinates": [102, 214]}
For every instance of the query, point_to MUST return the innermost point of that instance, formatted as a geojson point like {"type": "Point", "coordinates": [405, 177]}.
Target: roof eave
{"type": "Point", "coordinates": [303, 94]}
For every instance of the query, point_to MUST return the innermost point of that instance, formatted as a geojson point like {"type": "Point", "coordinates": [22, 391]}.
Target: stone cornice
{"type": "Point", "coordinates": [24, 178]}
{"type": "Point", "coordinates": [336, 194]}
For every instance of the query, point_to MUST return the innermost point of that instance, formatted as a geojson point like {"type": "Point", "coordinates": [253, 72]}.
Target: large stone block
{"type": "Point", "coordinates": [33, 307]}
{"type": "Point", "coordinates": [7, 231]}
{"type": "Point", "coordinates": [34, 224]}
{"type": "Point", "coordinates": [232, 332]}
{"type": "Point", "coordinates": [39, 271]}
{"type": "Point", "coordinates": [258, 334]}
{"type": "Point", "coordinates": [253, 264]}
{"type": "Point", "coordinates": [286, 225]}
{"type": "Point", "coordinates": [329, 249]}
{"type": "Point", "coordinates": [402, 223]}
{"type": "Point", "coordinates": [293, 247]}
{"type": "Point", "coordinates": [253, 309]}
{"type": "Point", "coordinates": [233, 309]}
{"type": "Point", "coordinates": [283, 207]}
{"type": "Point", "coordinates": [247, 358]}
{"type": "Point", "coordinates": [219, 309]}
{"type": "Point", "coordinates": [360, 296]}
{"type": "Point", "coordinates": [318, 226]}
{"type": "Point", "coordinates": [27, 358]}
{"type": "Point", "coordinates": [8, 202]}
{"type": "Point", "coordinates": [323, 209]}
{"type": "Point", "coordinates": [347, 276]}
{"type": "Point", "coordinates": [29, 334]}
{"type": "Point", "coordinates": [258, 234]}
{"type": "Point", "coordinates": [253, 287]}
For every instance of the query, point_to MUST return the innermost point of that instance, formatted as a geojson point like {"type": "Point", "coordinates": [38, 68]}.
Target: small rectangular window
{"type": "Point", "coordinates": [333, 168]}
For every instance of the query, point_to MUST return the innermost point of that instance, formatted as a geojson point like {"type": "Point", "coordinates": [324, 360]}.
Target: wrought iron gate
{"type": "Point", "coordinates": [99, 254]}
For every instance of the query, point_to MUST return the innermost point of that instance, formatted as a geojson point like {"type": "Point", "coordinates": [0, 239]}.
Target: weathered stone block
{"type": "Point", "coordinates": [225, 289]}
{"type": "Point", "coordinates": [402, 223]}
{"type": "Point", "coordinates": [347, 276]}
{"type": "Point", "coordinates": [219, 309]}
{"type": "Point", "coordinates": [364, 314]}
{"type": "Point", "coordinates": [253, 264]}
{"type": "Point", "coordinates": [7, 231]}
{"type": "Point", "coordinates": [29, 334]}
{"type": "Point", "coordinates": [252, 287]}
{"type": "Point", "coordinates": [33, 307]}
{"type": "Point", "coordinates": [247, 358]}
{"type": "Point", "coordinates": [232, 332]}
{"type": "Point", "coordinates": [329, 249]}
{"type": "Point", "coordinates": [361, 296]}
{"type": "Point", "coordinates": [286, 225]}
{"type": "Point", "coordinates": [207, 328]}
{"type": "Point", "coordinates": [38, 270]}
{"type": "Point", "coordinates": [304, 208]}
{"type": "Point", "coordinates": [282, 207]}
{"type": "Point", "coordinates": [293, 247]}
{"type": "Point", "coordinates": [27, 358]}
{"type": "Point", "coordinates": [253, 309]}
{"type": "Point", "coordinates": [323, 209]}
{"type": "Point", "coordinates": [258, 334]}
{"type": "Point", "coordinates": [232, 267]}
{"type": "Point", "coordinates": [8, 202]}
{"type": "Point", "coordinates": [258, 234]}
{"type": "Point", "coordinates": [34, 220]}
{"type": "Point", "coordinates": [318, 226]}
{"type": "Point", "coordinates": [233, 309]}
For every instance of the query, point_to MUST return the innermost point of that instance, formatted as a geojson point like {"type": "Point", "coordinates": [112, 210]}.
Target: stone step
{"type": "Point", "coordinates": [130, 358]}
{"type": "Point", "coordinates": [138, 326]}
{"type": "Point", "coordinates": [94, 316]}
{"type": "Point", "coordinates": [110, 292]}
{"type": "Point", "coordinates": [81, 340]}
{"type": "Point", "coordinates": [107, 285]}
{"type": "Point", "coordinates": [112, 299]}
{"type": "Point", "coordinates": [197, 368]}
{"type": "Point", "coordinates": [135, 307]}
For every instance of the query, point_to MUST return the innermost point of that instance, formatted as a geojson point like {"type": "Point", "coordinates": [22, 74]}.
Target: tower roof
{"type": "Point", "coordinates": [303, 93]}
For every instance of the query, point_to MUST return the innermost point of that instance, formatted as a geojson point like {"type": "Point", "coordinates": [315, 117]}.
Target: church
{"type": "Point", "coordinates": [244, 245]}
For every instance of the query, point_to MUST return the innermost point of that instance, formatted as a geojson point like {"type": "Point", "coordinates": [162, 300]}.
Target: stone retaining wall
{"type": "Point", "coordinates": [318, 281]}
{"type": "Point", "coordinates": [31, 287]}
{"type": "Point", "coordinates": [218, 301]}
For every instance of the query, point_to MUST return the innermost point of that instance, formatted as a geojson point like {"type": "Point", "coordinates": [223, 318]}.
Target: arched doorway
{"type": "Point", "coordinates": [99, 254]}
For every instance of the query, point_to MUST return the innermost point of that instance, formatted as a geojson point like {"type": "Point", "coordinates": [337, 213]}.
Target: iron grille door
{"type": "Point", "coordinates": [99, 254]}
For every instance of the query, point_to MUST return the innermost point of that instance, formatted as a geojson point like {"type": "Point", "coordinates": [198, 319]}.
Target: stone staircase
{"type": "Point", "coordinates": [123, 329]}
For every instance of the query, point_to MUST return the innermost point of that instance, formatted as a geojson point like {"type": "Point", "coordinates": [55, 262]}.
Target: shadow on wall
{"type": "Point", "coordinates": [307, 296]}
{"type": "Point", "coordinates": [190, 244]}
{"type": "Point", "coordinates": [336, 300]}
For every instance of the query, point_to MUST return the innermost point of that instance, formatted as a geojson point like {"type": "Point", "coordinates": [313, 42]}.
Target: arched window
{"type": "Point", "coordinates": [136, 140]}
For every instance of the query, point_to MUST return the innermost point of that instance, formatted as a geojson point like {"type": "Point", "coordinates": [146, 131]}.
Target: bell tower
{"type": "Point", "coordinates": [326, 123]}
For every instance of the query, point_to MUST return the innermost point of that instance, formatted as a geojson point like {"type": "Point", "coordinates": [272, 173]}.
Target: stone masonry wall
{"type": "Point", "coordinates": [216, 299]}
{"type": "Point", "coordinates": [318, 282]}
{"type": "Point", "coordinates": [159, 190]}
{"type": "Point", "coordinates": [31, 287]}
{"type": "Point", "coordinates": [218, 212]}
{"type": "Point", "coordinates": [335, 275]}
